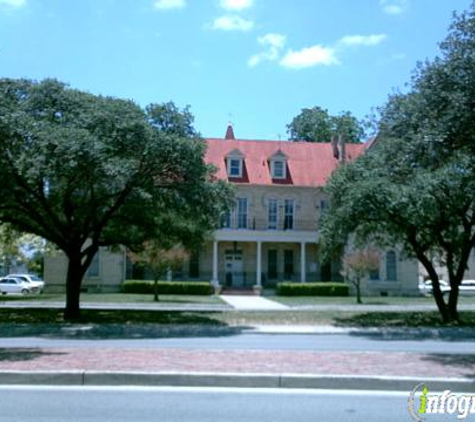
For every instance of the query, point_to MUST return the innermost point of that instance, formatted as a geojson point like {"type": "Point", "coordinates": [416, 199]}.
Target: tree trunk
{"type": "Point", "coordinates": [155, 289]}
{"type": "Point", "coordinates": [439, 300]}
{"type": "Point", "coordinates": [73, 287]}
{"type": "Point", "coordinates": [358, 292]}
{"type": "Point", "coordinates": [453, 300]}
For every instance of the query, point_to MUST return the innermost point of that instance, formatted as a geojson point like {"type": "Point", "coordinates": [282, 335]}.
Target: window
{"type": "Point", "coordinates": [93, 270]}
{"type": "Point", "coordinates": [272, 214]}
{"type": "Point", "coordinates": [226, 220]}
{"type": "Point", "coordinates": [272, 264]}
{"type": "Point", "coordinates": [278, 169]}
{"type": "Point", "coordinates": [288, 214]}
{"type": "Point", "coordinates": [391, 271]}
{"type": "Point", "coordinates": [323, 206]}
{"type": "Point", "coordinates": [242, 213]}
{"type": "Point", "coordinates": [374, 275]}
{"type": "Point", "coordinates": [288, 264]}
{"type": "Point", "coordinates": [235, 167]}
{"type": "Point", "coordinates": [194, 265]}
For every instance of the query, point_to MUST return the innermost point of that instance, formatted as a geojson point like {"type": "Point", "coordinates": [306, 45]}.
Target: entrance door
{"type": "Point", "coordinates": [234, 269]}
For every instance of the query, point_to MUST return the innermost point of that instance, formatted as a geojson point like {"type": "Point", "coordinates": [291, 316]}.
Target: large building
{"type": "Point", "coordinates": [271, 234]}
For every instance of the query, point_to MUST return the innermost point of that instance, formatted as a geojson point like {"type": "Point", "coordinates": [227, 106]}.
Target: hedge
{"type": "Point", "coordinates": [313, 289]}
{"type": "Point", "coordinates": [167, 287]}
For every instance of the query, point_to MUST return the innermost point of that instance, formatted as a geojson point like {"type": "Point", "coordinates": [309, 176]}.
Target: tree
{"type": "Point", "coordinates": [85, 171]}
{"type": "Point", "coordinates": [416, 187]}
{"type": "Point", "coordinates": [9, 248]}
{"type": "Point", "coordinates": [316, 125]}
{"type": "Point", "coordinates": [357, 265]}
{"type": "Point", "coordinates": [168, 118]}
{"type": "Point", "coordinates": [158, 260]}
{"type": "Point", "coordinates": [21, 249]}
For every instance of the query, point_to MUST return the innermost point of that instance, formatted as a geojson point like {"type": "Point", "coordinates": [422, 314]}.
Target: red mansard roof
{"type": "Point", "coordinates": [308, 163]}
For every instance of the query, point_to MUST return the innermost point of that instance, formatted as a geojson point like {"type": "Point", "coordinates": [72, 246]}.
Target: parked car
{"type": "Point", "coordinates": [14, 285]}
{"type": "Point", "coordinates": [426, 287]}
{"type": "Point", "coordinates": [467, 288]}
{"type": "Point", "coordinates": [33, 280]}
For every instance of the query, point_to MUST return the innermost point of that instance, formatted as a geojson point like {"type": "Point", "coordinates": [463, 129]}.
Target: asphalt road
{"type": "Point", "coordinates": [124, 404]}
{"type": "Point", "coordinates": [312, 342]}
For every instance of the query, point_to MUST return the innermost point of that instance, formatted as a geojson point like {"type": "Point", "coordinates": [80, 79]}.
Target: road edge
{"type": "Point", "coordinates": [252, 380]}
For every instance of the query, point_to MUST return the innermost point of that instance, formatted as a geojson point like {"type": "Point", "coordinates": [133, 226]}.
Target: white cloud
{"type": "Point", "coordinates": [232, 23]}
{"type": "Point", "coordinates": [13, 3]}
{"type": "Point", "coordinates": [366, 40]}
{"type": "Point", "coordinates": [169, 4]}
{"type": "Point", "coordinates": [308, 57]}
{"type": "Point", "coordinates": [236, 4]}
{"type": "Point", "coordinates": [393, 7]}
{"type": "Point", "coordinates": [272, 43]}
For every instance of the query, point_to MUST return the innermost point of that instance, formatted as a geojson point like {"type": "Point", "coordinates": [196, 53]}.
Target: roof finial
{"type": "Point", "coordinates": [229, 130]}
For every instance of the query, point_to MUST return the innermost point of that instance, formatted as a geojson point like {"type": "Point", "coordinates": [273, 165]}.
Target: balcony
{"type": "Point", "coordinates": [263, 224]}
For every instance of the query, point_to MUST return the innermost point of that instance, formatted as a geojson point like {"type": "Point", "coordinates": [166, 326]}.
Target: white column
{"type": "Point", "coordinates": [259, 264]}
{"type": "Point", "coordinates": [302, 262]}
{"type": "Point", "coordinates": [215, 280]}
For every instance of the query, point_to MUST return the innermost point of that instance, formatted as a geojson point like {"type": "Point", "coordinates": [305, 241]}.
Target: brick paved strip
{"type": "Point", "coordinates": [239, 361]}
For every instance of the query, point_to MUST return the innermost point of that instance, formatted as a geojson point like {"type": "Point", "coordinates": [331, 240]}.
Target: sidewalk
{"type": "Point", "coordinates": [273, 369]}
{"type": "Point", "coordinates": [237, 368]}
{"type": "Point", "coordinates": [253, 303]}
{"type": "Point", "coordinates": [228, 307]}
{"type": "Point", "coordinates": [234, 368]}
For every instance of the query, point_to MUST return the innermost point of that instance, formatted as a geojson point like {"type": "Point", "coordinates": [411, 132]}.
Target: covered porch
{"type": "Point", "coordinates": [243, 260]}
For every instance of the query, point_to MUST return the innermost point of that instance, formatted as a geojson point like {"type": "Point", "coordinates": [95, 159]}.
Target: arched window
{"type": "Point", "coordinates": [391, 270]}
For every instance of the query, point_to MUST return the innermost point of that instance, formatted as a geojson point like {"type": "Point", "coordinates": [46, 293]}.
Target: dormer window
{"type": "Point", "coordinates": [278, 169]}
{"type": "Point", "coordinates": [235, 163]}
{"type": "Point", "coordinates": [235, 167]}
{"type": "Point", "coordinates": [278, 165]}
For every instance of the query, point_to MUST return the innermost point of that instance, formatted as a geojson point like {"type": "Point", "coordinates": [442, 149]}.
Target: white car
{"type": "Point", "coordinates": [467, 288]}
{"type": "Point", "coordinates": [14, 285]}
{"type": "Point", "coordinates": [426, 287]}
{"type": "Point", "coordinates": [35, 282]}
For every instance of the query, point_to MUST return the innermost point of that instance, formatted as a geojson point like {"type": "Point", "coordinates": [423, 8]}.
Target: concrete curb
{"type": "Point", "coordinates": [176, 379]}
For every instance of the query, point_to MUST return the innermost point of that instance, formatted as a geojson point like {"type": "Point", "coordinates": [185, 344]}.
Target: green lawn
{"type": "Point", "coordinates": [35, 316]}
{"type": "Point", "coordinates": [117, 298]}
{"type": "Point", "coordinates": [350, 300]}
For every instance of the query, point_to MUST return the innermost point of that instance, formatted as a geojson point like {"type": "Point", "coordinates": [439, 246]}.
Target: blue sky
{"type": "Point", "coordinates": [254, 62]}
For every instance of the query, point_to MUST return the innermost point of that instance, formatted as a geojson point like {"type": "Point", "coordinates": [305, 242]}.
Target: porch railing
{"type": "Point", "coordinates": [259, 223]}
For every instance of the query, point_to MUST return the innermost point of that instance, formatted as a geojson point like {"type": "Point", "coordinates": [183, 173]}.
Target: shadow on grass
{"type": "Point", "coordinates": [24, 354]}
{"type": "Point", "coordinates": [458, 361]}
{"type": "Point", "coordinates": [417, 326]}
{"type": "Point", "coordinates": [113, 324]}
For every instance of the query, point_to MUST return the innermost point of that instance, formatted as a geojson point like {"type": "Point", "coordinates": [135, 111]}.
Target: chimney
{"type": "Point", "coordinates": [229, 133]}
{"type": "Point", "coordinates": [339, 147]}
{"type": "Point", "coordinates": [336, 152]}
{"type": "Point", "coordinates": [342, 145]}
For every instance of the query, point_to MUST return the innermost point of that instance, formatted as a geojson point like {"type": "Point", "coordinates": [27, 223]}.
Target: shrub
{"type": "Point", "coordinates": [167, 287]}
{"type": "Point", "coordinates": [313, 289]}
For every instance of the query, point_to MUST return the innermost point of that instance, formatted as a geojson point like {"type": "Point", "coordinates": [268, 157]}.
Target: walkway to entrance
{"type": "Point", "coordinates": [254, 303]}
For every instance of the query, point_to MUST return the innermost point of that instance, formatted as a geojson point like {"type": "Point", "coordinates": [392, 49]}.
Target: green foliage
{"type": "Point", "coordinates": [415, 188]}
{"type": "Point", "coordinates": [84, 171]}
{"type": "Point", "coordinates": [169, 119]}
{"type": "Point", "coordinates": [167, 287]}
{"type": "Point", "coordinates": [312, 289]}
{"type": "Point", "coordinates": [316, 125]}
